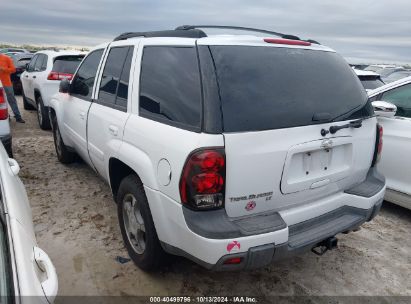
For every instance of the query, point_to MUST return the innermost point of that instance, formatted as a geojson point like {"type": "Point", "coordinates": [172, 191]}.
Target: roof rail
{"type": "Point", "coordinates": [192, 33]}
{"type": "Point", "coordinates": [240, 28]}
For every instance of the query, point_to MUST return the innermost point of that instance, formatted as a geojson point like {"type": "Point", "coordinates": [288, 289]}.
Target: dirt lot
{"type": "Point", "coordinates": [76, 223]}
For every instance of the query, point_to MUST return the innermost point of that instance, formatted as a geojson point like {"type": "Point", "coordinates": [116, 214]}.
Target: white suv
{"type": "Point", "coordinates": [41, 79]}
{"type": "Point", "coordinates": [233, 151]}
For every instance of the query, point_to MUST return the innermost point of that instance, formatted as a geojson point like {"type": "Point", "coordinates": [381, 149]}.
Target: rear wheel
{"type": "Point", "coordinates": [137, 226]}
{"type": "Point", "coordinates": [63, 154]}
{"type": "Point", "coordinates": [42, 115]}
{"type": "Point", "coordinates": [26, 104]}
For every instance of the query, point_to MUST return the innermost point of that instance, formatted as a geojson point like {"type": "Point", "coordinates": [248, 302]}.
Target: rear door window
{"type": "Point", "coordinates": [44, 63]}
{"type": "Point", "coordinates": [66, 64]}
{"type": "Point", "coordinates": [117, 67]}
{"type": "Point", "coordinates": [32, 63]}
{"type": "Point", "coordinates": [39, 63]}
{"type": "Point", "coordinates": [170, 89]}
{"type": "Point", "coordinates": [264, 88]}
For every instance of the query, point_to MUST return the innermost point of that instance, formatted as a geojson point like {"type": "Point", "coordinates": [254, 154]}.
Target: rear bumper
{"type": "Point", "coordinates": [210, 238]}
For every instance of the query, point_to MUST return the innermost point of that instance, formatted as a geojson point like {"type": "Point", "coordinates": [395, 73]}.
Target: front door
{"type": "Point", "coordinates": [79, 101]}
{"type": "Point", "coordinates": [108, 113]}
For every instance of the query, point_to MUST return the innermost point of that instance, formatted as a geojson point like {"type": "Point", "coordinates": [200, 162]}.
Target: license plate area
{"type": "Point", "coordinates": [311, 165]}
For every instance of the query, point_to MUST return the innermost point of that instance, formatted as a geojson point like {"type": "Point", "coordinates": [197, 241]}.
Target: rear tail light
{"type": "Point", "coordinates": [202, 184]}
{"type": "Point", "coordinates": [378, 146]}
{"type": "Point", "coordinates": [59, 76]}
{"type": "Point", "coordinates": [287, 41]}
{"type": "Point", "coordinates": [4, 112]}
{"type": "Point", "coordinates": [233, 261]}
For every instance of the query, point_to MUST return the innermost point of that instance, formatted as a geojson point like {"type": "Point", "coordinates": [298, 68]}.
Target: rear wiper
{"type": "Point", "coordinates": [334, 129]}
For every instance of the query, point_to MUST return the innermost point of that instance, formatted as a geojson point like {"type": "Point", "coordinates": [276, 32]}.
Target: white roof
{"type": "Point", "coordinates": [53, 53]}
{"type": "Point", "coordinates": [389, 86]}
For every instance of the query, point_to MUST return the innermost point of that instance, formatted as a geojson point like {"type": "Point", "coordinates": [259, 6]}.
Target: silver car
{"type": "Point", "coordinates": [26, 271]}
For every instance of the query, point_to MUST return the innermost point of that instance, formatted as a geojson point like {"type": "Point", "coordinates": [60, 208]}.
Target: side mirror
{"type": "Point", "coordinates": [64, 86]}
{"type": "Point", "coordinates": [384, 109]}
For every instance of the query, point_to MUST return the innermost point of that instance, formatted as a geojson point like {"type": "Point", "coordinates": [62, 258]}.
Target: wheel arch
{"type": "Point", "coordinates": [119, 169]}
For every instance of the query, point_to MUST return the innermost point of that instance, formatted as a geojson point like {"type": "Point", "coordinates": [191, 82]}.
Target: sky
{"type": "Point", "coordinates": [361, 30]}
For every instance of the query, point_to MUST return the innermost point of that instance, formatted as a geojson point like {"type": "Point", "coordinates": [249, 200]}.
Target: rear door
{"type": "Point", "coordinates": [395, 161]}
{"type": "Point", "coordinates": [274, 110]}
{"type": "Point", "coordinates": [79, 101]}
{"type": "Point", "coordinates": [109, 111]}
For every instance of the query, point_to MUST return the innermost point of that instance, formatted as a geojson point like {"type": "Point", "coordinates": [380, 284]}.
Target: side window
{"type": "Point", "coordinates": [114, 81]}
{"type": "Point", "coordinates": [82, 84]}
{"type": "Point", "coordinates": [39, 63]}
{"type": "Point", "coordinates": [170, 89]}
{"type": "Point", "coordinates": [32, 63]}
{"type": "Point", "coordinates": [44, 63]}
{"type": "Point", "coordinates": [401, 97]}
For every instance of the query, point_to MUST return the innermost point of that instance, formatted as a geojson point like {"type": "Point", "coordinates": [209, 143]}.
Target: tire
{"type": "Point", "coordinates": [132, 202]}
{"type": "Point", "coordinates": [63, 154]}
{"type": "Point", "coordinates": [26, 104]}
{"type": "Point", "coordinates": [42, 115]}
{"type": "Point", "coordinates": [9, 149]}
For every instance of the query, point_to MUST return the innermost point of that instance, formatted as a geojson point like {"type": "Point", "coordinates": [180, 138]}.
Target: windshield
{"type": "Point", "coordinates": [263, 88]}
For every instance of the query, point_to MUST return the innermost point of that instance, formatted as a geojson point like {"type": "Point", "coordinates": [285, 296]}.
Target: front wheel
{"type": "Point", "coordinates": [137, 226]}
{"type": "Point", "coordinates": [63, 154]}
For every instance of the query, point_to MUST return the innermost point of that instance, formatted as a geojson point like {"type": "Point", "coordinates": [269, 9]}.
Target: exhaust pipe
{"type": "Point", "coordinates": [328, 244]}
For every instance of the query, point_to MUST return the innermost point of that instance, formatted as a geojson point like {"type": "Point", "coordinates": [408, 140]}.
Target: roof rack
{"type": "Point", "coordinates": [239, 28]}
{"type": "Point", "coordinates": [194, 33]}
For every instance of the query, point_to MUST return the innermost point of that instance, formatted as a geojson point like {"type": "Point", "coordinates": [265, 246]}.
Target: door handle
{"type": "Point", "coordinates": [27, 76]}
{"type": "Point", "coordinates": [113, 130]}
{"type": "Point", "coordinates": [82, 115]}
{"type": "Point", "coordinates": [50, 285]}
{"type": "Point", "coordinates": [34, 76]}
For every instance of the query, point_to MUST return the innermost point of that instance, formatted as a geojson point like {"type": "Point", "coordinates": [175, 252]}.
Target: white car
{"type": "Point", "coordinates": [27, 274]}
{"type": "Point", "coordinates": [395, 164]}
{"type": "Point", "coordinates": [370, 80]}
{"type": "Point", "coordinates": [41, 79]}
{"type": "Point", "coordinates": [231, 150]}
{"type": "Point", "coordinates": [5, 134]}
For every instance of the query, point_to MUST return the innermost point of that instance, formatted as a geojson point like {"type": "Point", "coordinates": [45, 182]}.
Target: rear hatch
{"type": "Point", "coordinates": [276, 102]}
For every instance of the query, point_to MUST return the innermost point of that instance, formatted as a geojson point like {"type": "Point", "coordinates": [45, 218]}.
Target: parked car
{"type": "Point", "coordinates": [378, 67]}
{"type": "Point", "coordinates": [42, 77]}
{"type": "Point", "coordinates": [5, 134]}
{"type": "Point", "coordinates": [369, 80]}
{"type": "Point", "coordinates": [395, 164]}
{"type": "Point", "coordinates": [385, 72]}
{"type": "Point", "coordinates": [20, 61]}
{"type": "Point", "coordinates": [13, 50]}
{"type": "Point", "coordinates": [27, 274]}
{"type": "Point", "coordinates": [397, 76]}
{"type": "Point", "coordinates": [213, 155]}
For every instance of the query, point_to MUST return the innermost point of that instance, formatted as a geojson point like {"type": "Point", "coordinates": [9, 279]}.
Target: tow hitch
{"type": "Point", "coordinates": [324, 246]}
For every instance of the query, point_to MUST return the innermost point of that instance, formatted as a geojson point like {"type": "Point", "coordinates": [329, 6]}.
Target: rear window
{"type": "Point", "coordinates": [263, 88]}
{"type": "Point", "coordinates": [371, 83]}
{"type": "Point", "coordinates": [67, 64]}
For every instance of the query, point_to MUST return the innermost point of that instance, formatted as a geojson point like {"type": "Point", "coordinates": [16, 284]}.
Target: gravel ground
{"type": "Point", "coordinates": [76, 224]}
